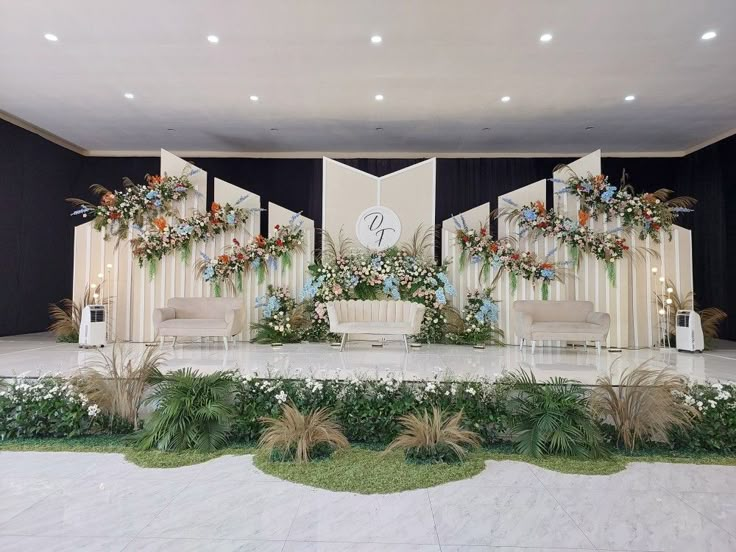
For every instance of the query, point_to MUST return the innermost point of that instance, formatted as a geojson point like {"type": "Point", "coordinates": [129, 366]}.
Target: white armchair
{"type": "Point", "coordinates": [375, 317]}
{"type": "Point", "coordinates": [560, 321]}
{"type": "Point", "coordinates": [199, 317]}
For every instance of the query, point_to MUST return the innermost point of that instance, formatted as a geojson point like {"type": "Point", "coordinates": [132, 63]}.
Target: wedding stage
{"type": "Point", "coordinates": [37, 354]}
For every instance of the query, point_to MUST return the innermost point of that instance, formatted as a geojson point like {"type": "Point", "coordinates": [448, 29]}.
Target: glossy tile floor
{"type": "Point", "coordinates": [80, 501]}
{"type": "Point", "coordinates": [34, 354]}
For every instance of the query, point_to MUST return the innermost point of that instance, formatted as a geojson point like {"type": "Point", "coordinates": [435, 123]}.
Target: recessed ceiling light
{"type": "Point", "coordinates": [171, 129]}
{"type": "Point", "coordinates": [51, 37]}
{"type": "Point", "coordinates": [129, 95]}
{"type": "Point", "coordinates": [506, 99]}
{"type": "Point", "coordinates": [379, 97]}
{"type": "Point", "coordinates": [589, 127]}
{"type": "Point", "coordinates": [376, 39]}
{"type": "Point", "coordinates": [630, 98]}
{"type": "Point", "coordinates": [546, 37]}
{"type": "Point", "coordinates": [379, 128]}
{"type": "Point", "coordinates": [273, 129]}
{"type": "Point", "coordinates": [486, 128]}
{"type": "Point", "coordinates": [214, 39]}
{"type": "Point", "coordinates": [254, 98]}
{"type": "Point", "coordinates": [709, 35]}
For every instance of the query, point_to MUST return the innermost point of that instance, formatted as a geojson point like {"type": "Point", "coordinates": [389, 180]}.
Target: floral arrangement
{"type": "Point", "coordinates": [480, 320]}
{"type": "Point", "coordinates": [161, 238]}
{"type": "Point", "coordinates": [391, 273]}
{"type": "Point", "coordinates": [280, 322]}
{"type": "Point", "coordinates": [646, 213]}
{"type": "Point", "coordinates": [715, 428]}
{"type": "Point", "coordinates": [479, 247]}
{"type": "Point", "coordinates": [137, 204]}
{"type": "Point", "coordinates": [44, 407]}
{"type": "Point", "coordinates": [576, 235]}
{"type": "Point", "coordinates": [260, 254]}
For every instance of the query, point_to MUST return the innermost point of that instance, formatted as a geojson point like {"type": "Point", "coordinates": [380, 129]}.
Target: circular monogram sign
{"type": "Point", "coordinates": [378, 228]}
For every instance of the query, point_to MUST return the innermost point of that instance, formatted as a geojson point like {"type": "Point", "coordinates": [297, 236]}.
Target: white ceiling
{"type": "Point", "coordinates": [442, 67]}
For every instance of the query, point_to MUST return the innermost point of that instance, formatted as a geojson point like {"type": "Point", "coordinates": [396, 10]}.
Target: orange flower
{"type": "Point", "coordinates": [260, 240]}
{"type": "Point", "coordinates": [540, 207]}
{"type": "Point", "coordinates": [546, 265]}
{"type": "Point", "coordinates": [583, 217]}
{"type": "Point", "coordinates": [215, 207]}
{"type": "Point", "coordinates": [649, 198]}
{"type": "Point", "coordinates": [153, 179]}
{"type": "Point", "coordinates": [108, 199]}
{"type": "Point", "coordinates": [160, 223]}
{"type": "Point", "coordinates": [115, 215]}
{"type": "Point", "coordinates": [224, 259]}
{"type": "Point", "coordinates": [599, 180]}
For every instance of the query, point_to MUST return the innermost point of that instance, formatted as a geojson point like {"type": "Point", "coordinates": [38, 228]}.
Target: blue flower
{"type": "Point", "coordinates": [152, 194]}
{"type": "Point", "coordinates": [607, 196]}
{"type": "Point", "coordinates": [510, 202]}
{"type": "Point", "coordinates": [479, 317]}
{"type": "Point", "coordinates": [529, 214]}
{"type": "Point", "coordinates": [208, 273]}
{"type": "Point", "coordinates": [230, 218]}
{"type": "Point", "coordinates": [442, 277]}
{"type": "Point", "coordinates": [354, 281]}
{"type": "Point", "coordinates": [311, 287]}
{"type": "Point", "coordinates": [548, 273]}
{"type": "Point", "coordinates": [680, 210]}
{"type": "Point", "coordinates": [439, 293]}
{"type": "Point", "coordinates": [450, 290]}
{"type": "Point", "coordinates": [184, 229]}
{"type": "Point", "coordinates": [272, 262]}
{"type": "Point", "coordinates": [376, 262]}
{"type": "Point", "coordinates": [431, 281]}
{"type": "Point", "coordinates": [489, 310]}
{"type": "Point", "coordinates": [475, 259]}
{"type": "Point", "coordinates": [256, 263]}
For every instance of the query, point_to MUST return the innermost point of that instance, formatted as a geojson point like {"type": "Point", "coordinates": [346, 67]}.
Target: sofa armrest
{"type": "Point", "coordinates": [164, 313]}
{"type": "Point", "coordinates": [602, 319]}
{"type": "Point", "coordinates": [523, 324]}
{"type": "Point", "coordinates": [417, 315]}
{"type": "Point", "coordinates": [332, 316]}
{"type": "Point", "coordinates": [234, 321]}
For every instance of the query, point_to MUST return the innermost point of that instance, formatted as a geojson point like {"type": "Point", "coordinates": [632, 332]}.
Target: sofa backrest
{"type": "Point", "coordinates": [373, 311]}
{"type": "Point", "coordinates": [203, 307]}
{"type": "Point", "coordinates": [555, 311]}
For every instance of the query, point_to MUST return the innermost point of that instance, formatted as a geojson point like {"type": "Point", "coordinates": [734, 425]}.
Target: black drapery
{"type": "Point", "coordinates": [37, 175]}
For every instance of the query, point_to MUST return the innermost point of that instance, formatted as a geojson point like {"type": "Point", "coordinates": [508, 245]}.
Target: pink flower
{"type": "Point", "coordinates": [336, 289]}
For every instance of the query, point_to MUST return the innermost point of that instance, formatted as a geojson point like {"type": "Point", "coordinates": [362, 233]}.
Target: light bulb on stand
{"type": "Point", "coordinates": [661, 279]}
{"type": "Point", "coordinates": [96, 295]}
{"type": "Point", "coordinates": [109, 266]}
{"type": "Point", "coordinates": [654, 270]}
{"type": "Point", "coordinates": [670, 290]}
{"type": "Point", "coordinates": [100, 275]}
{"type": "Point", "coordinates": [661, 312]}
{"type": "Point", "coordinates": [669, 301]}
{"type": "Point", "coordinates": [93, 286]}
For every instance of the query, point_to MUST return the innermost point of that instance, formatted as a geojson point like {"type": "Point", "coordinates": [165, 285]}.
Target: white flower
{"type": "Point", "coordinates": [93, 410]}
{"type": "Point", "coordinates": [281, 397]}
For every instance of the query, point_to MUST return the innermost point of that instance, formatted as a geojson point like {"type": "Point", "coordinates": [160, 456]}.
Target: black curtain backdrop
{"type": "Point", "coordinates": [37, 175]}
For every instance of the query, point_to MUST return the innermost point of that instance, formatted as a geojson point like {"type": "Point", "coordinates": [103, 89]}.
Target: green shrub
{"type": "Point", "coordinates": [45, 407]}
{"type": "Point", "coordinates": [369, 410]}
{"type": "Point", "coordinates": [715, 429]}
{"type": "Point", "coordinates": [552, 418]}
{"type": "Point", "coordinates": [193, 411]}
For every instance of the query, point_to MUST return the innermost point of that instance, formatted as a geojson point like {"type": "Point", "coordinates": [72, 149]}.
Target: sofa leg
{"type": "Point", "coordinates": [534, 344]}
{"type": "Point", "coordinates": [161, 341]}
{"type": "Point", "coordinates": [598, 346]}
{"type": "Point", "coordinates": [521, 344]}
{"type": "Point", "coordinates": [585, 346]}
{"type": "Point", "coordinates": [173, 344]}
{"type": "Point", "coordinates": [344, 341]}
{"type": "Point", "coordinates": [224, 340]}
{"type": "Point", "coordinates": [406, 344]}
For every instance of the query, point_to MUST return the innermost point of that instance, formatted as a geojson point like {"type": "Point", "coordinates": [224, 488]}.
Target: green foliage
{"type": "Point", "coordinates": [552, 418]}
{"type": "Point", "coordinates": [46, 407]}
{"type": "Point", "coordinates": [193, 411]}
{"type": "Point", "coordinates": [282, 322]}
{"type": "Point", "coordinates": [369, 410]}
{"type": "Point", "coordinates": [715, 429]}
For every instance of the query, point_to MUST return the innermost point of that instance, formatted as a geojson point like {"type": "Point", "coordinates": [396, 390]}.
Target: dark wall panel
{"type": "Point", "coordinates": [36, 246]}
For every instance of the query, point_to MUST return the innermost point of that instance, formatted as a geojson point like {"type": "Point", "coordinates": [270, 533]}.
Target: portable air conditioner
{"type": "Point", "coordinates": [93, 328]}
{"type": "Point", "coordinates": [689, 332]}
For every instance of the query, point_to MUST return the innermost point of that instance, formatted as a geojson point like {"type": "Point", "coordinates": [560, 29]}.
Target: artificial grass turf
{"type": "Point", "coordinates": [362, 469]}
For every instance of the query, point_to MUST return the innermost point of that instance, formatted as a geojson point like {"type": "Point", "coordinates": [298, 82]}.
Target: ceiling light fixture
{"type": "Point", "coordinates": [486, 128]}
{"type": "Point", "coordinates": [379, 128]}
{"type": "Point", "coordinates": [213, 39]}
{"type": "Point", "coordinates": [51, 37]}
{"type": "Point", "coordinates": [129, 95]}
{"type": "Point", "coordinates": [379, 97]}
{"type": "Point", "coordinates": [589, 127]}
{"type": "Point", "coordinates": [546, 37]}
{"type": "Point", "coordinates": [506, 99]}
{"type": "Point", "coordinates": [630, 98]}
{"type": "Point", "coordinates": [376, 39]}
{"type": "Point", "coordinates": [254, 98]}
{"type": "Point", "coordinates": [709, 35]}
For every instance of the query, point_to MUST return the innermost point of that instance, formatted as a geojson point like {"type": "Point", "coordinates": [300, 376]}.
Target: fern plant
{"type": "Point", "coordinates": [193, 411]}
{"type": "Point", "coordinates": [645, 405]}
{"type": "Point", "coordinates": [552, 418]}
{"type": "Point", "coordinates": [435, 437]}
{"type": "Point", "coordinates": [300, 437]}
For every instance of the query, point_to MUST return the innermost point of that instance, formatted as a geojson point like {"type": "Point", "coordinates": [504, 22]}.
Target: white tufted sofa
{"type": "Point", "coordinates": [560, 320]}
{"type": "Point", "coordinates": [199, 317]}
{"type": "Point", "coordinates": [375, 317]}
